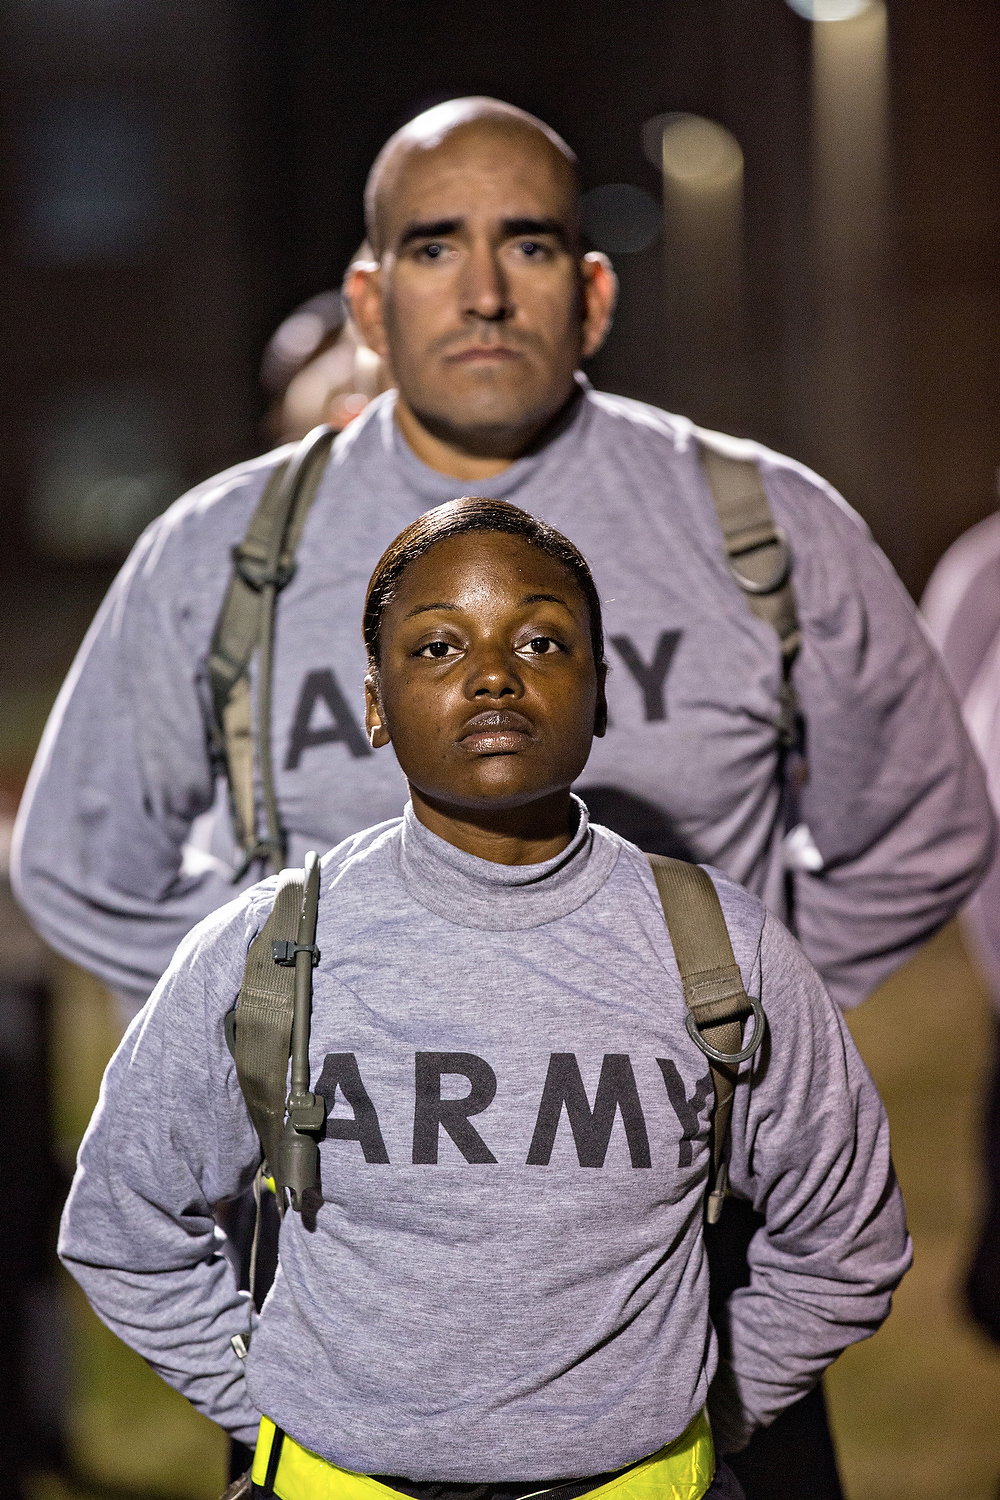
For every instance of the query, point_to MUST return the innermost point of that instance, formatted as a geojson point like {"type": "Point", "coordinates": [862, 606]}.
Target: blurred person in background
{"type": "Point", "coordinates": [482, 303]}
{"type": "Point", "coordinates": [316, 369]}
{"type": "Point", "coordinates": [961, 605]}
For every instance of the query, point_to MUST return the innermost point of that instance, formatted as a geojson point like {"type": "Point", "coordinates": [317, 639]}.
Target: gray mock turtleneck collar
{"type": "Point", "coordinates": [473, 892]}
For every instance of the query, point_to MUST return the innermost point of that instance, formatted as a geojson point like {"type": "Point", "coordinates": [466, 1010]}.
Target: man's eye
{"type": "Point", "coordinates": [437, 650]}
{"type": "Point", "coordinates": [542, 645]}
{"type": "Point", "coordinates": [532, 249]}
{"type": "Point", "coordinates": [433, 251]}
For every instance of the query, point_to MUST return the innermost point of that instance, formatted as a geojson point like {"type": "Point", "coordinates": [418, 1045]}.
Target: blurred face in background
{"type": "Point", "coordinates": [481, 302]}
{"type": "Point", "coordinates": [334, 386]}
{"type": "Point", "coordinates": [317, 368]}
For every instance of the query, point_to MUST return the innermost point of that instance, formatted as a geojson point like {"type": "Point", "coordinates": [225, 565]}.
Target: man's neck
{"type": "Point", "coordinates": [435, 450]}
{"type": "Point", "coordinates": [437, 453]}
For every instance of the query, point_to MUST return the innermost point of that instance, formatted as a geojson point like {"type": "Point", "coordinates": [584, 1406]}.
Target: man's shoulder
{"type": "Point", "coordinates": [220, 501]}
{"type": "Point", "coordinates": [621, 418]}
{"type": "Point", "coordinates": [186, 550]}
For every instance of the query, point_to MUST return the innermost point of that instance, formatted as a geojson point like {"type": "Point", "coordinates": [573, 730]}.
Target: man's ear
{"type": "Point", "coordinates": [600, 294]}
{"type": "Point", "coordinates": [378, 735]}
{"type": "Point", "coordinates": [601, 714]}
{"type": "Point", "coordinates": [363, 292]}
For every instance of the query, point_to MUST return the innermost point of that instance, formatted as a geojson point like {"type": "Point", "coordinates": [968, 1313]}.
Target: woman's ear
{"type": "Point", "coordinates": [378, 735]}
{"type": "Point", "coordinates": [601, 715]}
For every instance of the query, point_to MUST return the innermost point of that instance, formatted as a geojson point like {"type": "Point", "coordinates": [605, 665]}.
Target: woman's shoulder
{"type": "Point", "coordinates": [744, 914]}
{"type": "Point", "coordinates": [358, 848]}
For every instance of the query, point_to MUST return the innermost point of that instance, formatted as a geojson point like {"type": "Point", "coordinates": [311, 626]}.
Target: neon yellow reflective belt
{"type": "Point", "coordinates": [682, 1470]}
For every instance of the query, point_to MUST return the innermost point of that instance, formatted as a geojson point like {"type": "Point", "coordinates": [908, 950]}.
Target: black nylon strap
{"type": "Point", "coordinates": [273, 1460]}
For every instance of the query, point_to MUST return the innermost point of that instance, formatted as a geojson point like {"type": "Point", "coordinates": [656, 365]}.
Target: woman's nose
{"type": "Point", "coordinates": [493, 674]}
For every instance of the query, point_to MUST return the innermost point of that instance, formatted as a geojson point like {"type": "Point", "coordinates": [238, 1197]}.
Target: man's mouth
{"type": "Point", "coordinates": [483, 354]}
{"type": "Point", "coordinates": [496, 732]}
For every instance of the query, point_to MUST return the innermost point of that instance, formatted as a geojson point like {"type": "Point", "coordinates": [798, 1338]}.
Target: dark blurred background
{"type": "Point", "coordinates": [178, 176]}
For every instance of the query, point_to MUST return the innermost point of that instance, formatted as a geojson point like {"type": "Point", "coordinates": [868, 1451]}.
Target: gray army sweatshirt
{"type": "Point", "coordinates": [506, 1277]}
{"type": "Point", "coordinates": [899, 822]}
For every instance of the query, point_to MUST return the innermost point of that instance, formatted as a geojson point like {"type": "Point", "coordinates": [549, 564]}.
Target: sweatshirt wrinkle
{"type": "Point", "coordinates": [473, 892]}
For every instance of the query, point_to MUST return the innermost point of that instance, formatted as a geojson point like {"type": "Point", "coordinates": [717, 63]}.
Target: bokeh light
{"type": "Point", "coordinates": [691, 150]}
{"type": "Point", "coordinates": [829, 10]}
{"type": "Point", "coordinates": [620, 218]}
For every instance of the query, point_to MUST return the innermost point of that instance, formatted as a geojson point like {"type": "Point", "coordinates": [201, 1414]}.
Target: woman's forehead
{"type": "Point", "coordinates": [500, 561]}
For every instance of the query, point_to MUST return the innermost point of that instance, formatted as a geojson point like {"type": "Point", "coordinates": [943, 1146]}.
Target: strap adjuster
{"type": "Point", "coordinates": [283, 952]}
{"type": "Point", "coordinates": [781, 571]}
{"type": "Point", "coordinates": [255, 572]}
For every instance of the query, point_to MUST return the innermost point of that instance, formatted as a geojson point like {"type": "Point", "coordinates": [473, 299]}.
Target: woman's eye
{"type": "Point", "coordinates": [542, 645]}
{"type": "Point", "coordinates": [437, 650]}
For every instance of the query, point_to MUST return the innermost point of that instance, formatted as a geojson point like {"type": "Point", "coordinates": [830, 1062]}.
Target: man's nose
{"type": "Point", "coordinates": [486, 293]}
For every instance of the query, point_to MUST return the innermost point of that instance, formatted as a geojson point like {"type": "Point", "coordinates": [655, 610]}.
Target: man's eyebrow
{"type": "Point", "coordinates": [554, 227]}
{"type": "Point", "coordinates": [439, 229]}
{"type": "Point", "coordinates": [434, 229]}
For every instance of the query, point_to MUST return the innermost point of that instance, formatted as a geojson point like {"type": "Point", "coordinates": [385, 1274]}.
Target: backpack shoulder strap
{"type": "Point", "coordinates": [760, 559]}
{"type": "Point", "coordinates": [262, 564]}
{"type": "Point", "coordinates": [262, 1021]}
{"type": "Point", "coordinates": [713, 991]}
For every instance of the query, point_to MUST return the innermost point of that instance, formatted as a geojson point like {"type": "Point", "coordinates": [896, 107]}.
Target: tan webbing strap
{"type": "Point", "coordinates": [263, 1018]}
{"type": "Point", "coordinates": [760, 560]}
{"type": "Point", "coordinates": [713, 990]}
{"type": "Point", "coordinates": [757, 550]}
{"type": "Point", "coordinates": [263, 563]}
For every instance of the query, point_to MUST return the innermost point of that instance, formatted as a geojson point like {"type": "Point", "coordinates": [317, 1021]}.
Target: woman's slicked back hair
{"type": "Point", "coordinates": [457, 518]}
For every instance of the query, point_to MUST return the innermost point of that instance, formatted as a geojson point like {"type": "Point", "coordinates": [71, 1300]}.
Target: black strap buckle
{"type": "Point", "coordinates": [283, 952]}
{"type": "Point", "coordinates": [256, 573]}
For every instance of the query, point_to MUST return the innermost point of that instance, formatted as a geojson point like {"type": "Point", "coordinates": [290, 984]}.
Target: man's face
{"type": "Point", "coordinates": [482, 304]}
{"type": "Point", "coordinates": [488, 687]}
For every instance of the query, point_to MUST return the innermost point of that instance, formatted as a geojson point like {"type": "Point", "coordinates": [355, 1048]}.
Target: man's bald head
{"type": "Point", "coordinates": [481, 301]}
{"type": "Point", "coordinates": [457, 118]}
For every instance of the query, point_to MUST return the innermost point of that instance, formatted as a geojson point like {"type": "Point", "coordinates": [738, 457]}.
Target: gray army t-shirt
{"type": "Point", "coordinates": [505, 1278]}
{"type": "Point", "coordinates": [895, 803]}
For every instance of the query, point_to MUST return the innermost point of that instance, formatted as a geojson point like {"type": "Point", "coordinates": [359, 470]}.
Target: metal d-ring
{"type": "Point", "coordinates": [781, 571]}
{"type": "Point", "coordinates": [730, 1059]}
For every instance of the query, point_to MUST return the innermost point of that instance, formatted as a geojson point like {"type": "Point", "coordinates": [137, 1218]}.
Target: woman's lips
{"type": "Point", "coordinates": [496, 733]}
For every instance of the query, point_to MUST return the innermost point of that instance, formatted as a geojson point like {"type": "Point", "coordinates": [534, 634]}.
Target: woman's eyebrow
{"type": "Point", "coordinates": [545, 599]}
{"type": "Point", "coordinates": [421, 609]}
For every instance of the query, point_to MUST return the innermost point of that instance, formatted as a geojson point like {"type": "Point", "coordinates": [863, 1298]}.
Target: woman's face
{"type": "Point", "coordinates": [488, 688]}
